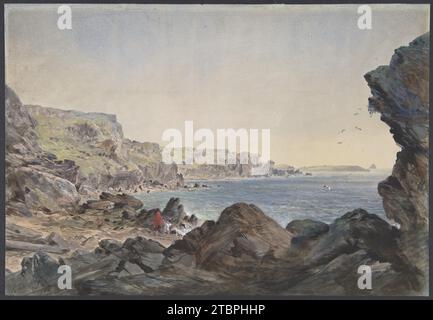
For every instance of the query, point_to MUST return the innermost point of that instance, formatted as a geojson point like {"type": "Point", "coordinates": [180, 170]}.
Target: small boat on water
{"type": "Point", "coordinates": [327, 188]}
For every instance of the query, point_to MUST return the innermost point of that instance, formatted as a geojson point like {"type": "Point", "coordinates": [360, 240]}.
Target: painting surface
{"type": "Point", "coordinates": [217, 150]}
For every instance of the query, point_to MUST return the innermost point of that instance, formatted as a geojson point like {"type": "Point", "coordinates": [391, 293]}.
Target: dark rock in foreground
{"type": "Point", "coordinates": [244, 252]}
{"type": "Point", "coordinates": [111, 260]}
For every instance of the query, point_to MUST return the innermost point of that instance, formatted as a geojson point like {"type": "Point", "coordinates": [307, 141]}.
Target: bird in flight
{"type": "Point", "coordinates": [358, 128]}
{"type": "Point", "coordinates": [341, 131]}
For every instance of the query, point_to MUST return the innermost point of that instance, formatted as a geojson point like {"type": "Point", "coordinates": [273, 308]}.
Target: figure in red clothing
{"type": "Point", "coordinates": [158, 222]}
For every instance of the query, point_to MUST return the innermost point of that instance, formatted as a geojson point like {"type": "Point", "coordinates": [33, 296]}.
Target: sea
{"type": "Point", "coordinates": [324, 196]}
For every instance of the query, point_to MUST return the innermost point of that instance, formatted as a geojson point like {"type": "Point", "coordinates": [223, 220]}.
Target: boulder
{"type": "Point", "coordinates": [307, 228]}
{"type": "Point", "coordinates": [147, 254]}
{"type": "Point", "coordinates": [38, 274]}
{"type": "Point", "coordinates": [121, 200]}
{"type": "Point", "coordinates": [42, 191]}
{"type": "Point", "coordinates": [354, 231]}
{"type": "Point", "coordinates": [242, 237]}
{"type": "Point", "coordinates": [98, 205]}
{"type": "Point", "coordinates": [174, 211]}
{"type": "Point", "coordinates": [192, 220]}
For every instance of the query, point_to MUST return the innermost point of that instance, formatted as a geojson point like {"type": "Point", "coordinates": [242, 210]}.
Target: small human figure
{"type": "Point", "coordinates": [158, 222]}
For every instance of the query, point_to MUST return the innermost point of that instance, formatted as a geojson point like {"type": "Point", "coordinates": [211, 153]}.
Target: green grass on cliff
{"type": "Point", "coordinates": [54, 137]}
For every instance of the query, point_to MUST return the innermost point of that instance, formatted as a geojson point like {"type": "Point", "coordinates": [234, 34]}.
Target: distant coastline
{"type": "Point", "coordinates": [328, 168]}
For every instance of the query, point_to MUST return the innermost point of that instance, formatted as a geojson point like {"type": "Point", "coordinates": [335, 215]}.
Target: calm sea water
{"type": "Point", "coordinates": [283, 199]}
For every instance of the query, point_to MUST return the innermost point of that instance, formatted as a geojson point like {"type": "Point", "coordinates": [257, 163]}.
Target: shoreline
{"type": "Point", "coordinates": [321, 173]}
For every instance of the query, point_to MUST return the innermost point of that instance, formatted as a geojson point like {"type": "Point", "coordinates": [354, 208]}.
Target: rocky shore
{"type": "Point", "coordinates": [244, 252]}
{"type": "Point", "coordinates": [110, 246]}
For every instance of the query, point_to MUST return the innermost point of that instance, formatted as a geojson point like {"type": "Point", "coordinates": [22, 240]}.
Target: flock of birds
{"type": "Point", "coordinates": [326, 187]}
{"type": "Point", "coordinates": [356, 127]}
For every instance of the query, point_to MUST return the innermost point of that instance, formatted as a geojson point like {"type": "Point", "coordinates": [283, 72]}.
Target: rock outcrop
{"type": "Point", "coordinates": [174, 211]}
{"type": "Point", "coordinates": [35, 179]}
{"type": "Point", "coordinates": [241, 238]}
{"type": "Point", "coordinates": [173, 218]}
{"type": "Point", "coordinates": [400, 95]}
{"type": "Point", "coordinates": [121, 200]}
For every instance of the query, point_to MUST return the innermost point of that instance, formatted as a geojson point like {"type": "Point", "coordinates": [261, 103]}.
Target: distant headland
{"type": "Point", "coordinates": [327, 168]}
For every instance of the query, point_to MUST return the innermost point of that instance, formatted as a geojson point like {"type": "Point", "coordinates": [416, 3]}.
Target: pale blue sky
{"type": "Point", "coordinates": [297, 70]}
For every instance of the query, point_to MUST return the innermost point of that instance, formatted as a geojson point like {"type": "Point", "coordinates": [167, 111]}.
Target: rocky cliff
{"type": "Point", "coordinates": [95, 142]}
{"type": "Point", "coordinates": [400, 93]}
{"type": "Point", "coordinates": [36, 180]}
{"type": "Point", "coordinates": [55, 157]}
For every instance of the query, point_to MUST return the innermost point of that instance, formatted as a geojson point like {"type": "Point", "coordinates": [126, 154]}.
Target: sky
{"type": "Point", "coordinates": [294, 69]}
